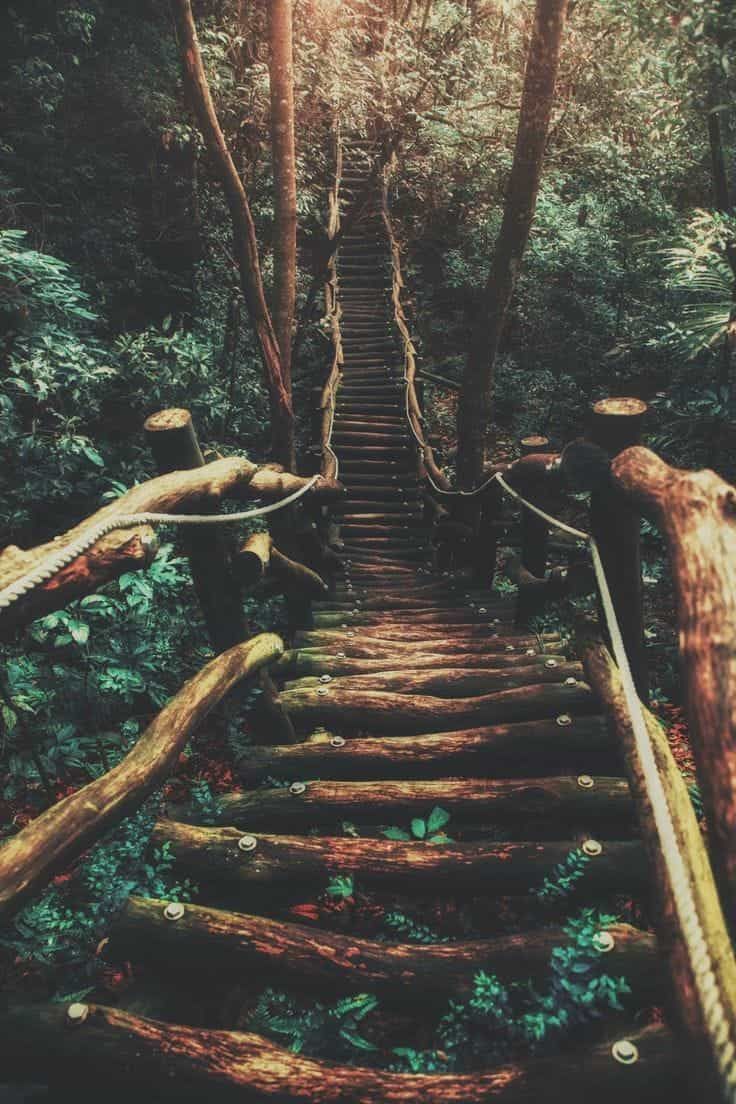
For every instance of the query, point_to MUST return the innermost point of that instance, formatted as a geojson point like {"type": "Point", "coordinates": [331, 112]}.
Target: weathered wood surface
{"type": "Point", "coordinates": [502, 750]}
{"type": "Point", "coordinates": [615, 524]}
{"type": "Point", "coordinates": [260, 559]}
{"type": "Point", "coordinates": [61, 833]}
{"type": "Point", "coordinates": [125, 550]}
{"type": "Point", "coordinates": [305, 662]}
{"type": "Point", "coordinates": [188, 1063]}
{"type": "Point", "coordinates": [684, 1003]}
{"type": "Point", "coordinates": [696, 512]}
{"type": "Point", "coordinates": [476, 868]}
{"type": "Point", "coordinates": [233, 943]}
{"type": "Point", "coordinates": [448, 682]}
{"type": "Point", "coordinates": [409, 713]}
{"type": "Point", "coordinates": [561, 800]}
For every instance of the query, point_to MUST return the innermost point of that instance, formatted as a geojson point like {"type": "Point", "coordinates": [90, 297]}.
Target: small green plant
{"type": "Point", "coordinates": [341, 887]}
{"type": "Point", "coordinates": [563, 879]}
{"type": "Point", "coordinates": [319, 1030]}
{"type": "Point", "coordinates": [429, 829]}
{"type": "Point", "coordinates": [411, 930]}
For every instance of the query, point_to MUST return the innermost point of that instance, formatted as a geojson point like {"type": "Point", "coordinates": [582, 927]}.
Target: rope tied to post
{"type": "Point", "coordinates": [53, 563]}
{"type": "Point", "coordinates": [701, 960]}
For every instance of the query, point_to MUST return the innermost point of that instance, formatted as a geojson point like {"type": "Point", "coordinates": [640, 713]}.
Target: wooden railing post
{"type": "Point", "coordinates": [534, 531]}
{"type": "Point", "coordinates": [615, 524]}
{"type": "Point", "coordinates": [173, 441]}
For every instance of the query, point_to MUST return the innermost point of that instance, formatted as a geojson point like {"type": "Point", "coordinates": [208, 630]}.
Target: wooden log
{"type": "Point", "coordinates": [500, 750]}
{"type": "Point", "coordinates": [259, 559]}
{"type": "Point", "coordinates": [404, 635]}
{"type": "Point", "coordinates": [371, 648]}
{"type": "Point", "coordinates": [448, 682]}
{"type": "Point", "coordinates": [61, 833]}
{"type": "Point", "coordinates": [226, 1067]}
{"type": "Point", "coordinates": [405, 714]}
{"type": "Point", "coordinates": [695, 511]}
{"type": "Point", "coordinates": [684, 999]}
{"type": "Point", "coordinates": [534, 530]}
{"type": "Point", "coordinates": [232, 943]}
{"type": "Point", "coordinates": [251, 563]}
{"type": "Point", "coordinates": [213, 854]}
{"type": "Point", "coordinates": [433, 617]}
{"type": "Point", "coordinates": [121, 550]}
{"type": "Point", "coordinates": [615, 524]}
{"type": "Point", "coordinates": [305, 663]}
{"type": "Point", "coordinates": [173, 441]}
{"type": "Point", "coordinates": [495, 801]}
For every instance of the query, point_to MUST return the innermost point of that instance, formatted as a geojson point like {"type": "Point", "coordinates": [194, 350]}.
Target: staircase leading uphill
{"type": "Point", "coordinates": [412, 691]}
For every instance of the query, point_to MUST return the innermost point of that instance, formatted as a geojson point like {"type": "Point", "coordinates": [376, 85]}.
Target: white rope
{"type": "Point", "coordinates": [55, 561]}
{"type": "Point", "coordinates": [701, 962]}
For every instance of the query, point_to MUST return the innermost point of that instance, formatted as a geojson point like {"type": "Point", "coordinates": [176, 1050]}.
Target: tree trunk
{"type": "Point", "coordinates": [281, 73]}
{"type": "Point", "coordinates": [536, 107]}
{"type": "Point", "coordinates": [244, 235]}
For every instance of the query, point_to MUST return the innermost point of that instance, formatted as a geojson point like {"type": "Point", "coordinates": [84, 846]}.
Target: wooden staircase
{"type": "Point", "coordinates": [411, 690]}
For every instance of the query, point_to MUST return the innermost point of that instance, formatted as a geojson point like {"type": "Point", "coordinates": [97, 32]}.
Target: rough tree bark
{"type": "Point", "coordinates": [281, 74]}
{"type": "Point", "coordinates": [244, 235]}
{"type": "Point", "coordinates": [536, 107]}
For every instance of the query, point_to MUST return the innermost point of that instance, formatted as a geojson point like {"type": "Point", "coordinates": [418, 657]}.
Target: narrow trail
{"type": "Point", "coordinates": [410, 690]}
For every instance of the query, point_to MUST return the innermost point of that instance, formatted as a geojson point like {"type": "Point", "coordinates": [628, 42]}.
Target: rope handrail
{"type": "Point", "coordinates": [705, 977]}
{"type": "Point", "coordinates": [53, 563]}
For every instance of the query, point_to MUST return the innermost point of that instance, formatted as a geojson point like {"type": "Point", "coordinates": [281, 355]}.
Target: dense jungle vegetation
{"type": "Point", "coordinates": [122, 293]}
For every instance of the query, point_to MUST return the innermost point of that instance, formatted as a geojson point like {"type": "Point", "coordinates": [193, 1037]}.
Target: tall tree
{"type": "Point", "coordinates": [474, 410]}
{"type": "Point", "coordinates": [245, 246]}
{"type": "Point", "coordinates": [281, 73]}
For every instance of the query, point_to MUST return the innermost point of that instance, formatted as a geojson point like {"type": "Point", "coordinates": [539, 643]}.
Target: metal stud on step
{"type": "Point", "coordinates": [77, 1013]}
{"type": "Point", "coordinates": [174, 911]}
{"type": "Point", "coordinates": [340, 655]}
{"type": "Point", "coordinates": [530, 651]}
{"type": "Point", "coordinates": [337, 741]}
{"type": "Point", "coordinates": [585, 782]}
{"type": "Point", "coordinates": [482, 609]}
{"type": "Point", "coordinates": [563, 720]}
{"type": "Point", "coordinates": [603, 941]}
{"type": "Point", "coordinates": [509, 647]}
{"type": "Point", "coordinates": [550, 663]}
{"type": "Point", "coordinates": [571, 681]}
{"type": "Point", "coordinates": [297, 788]}
{"type": "Point", "coordinates": [325, 678]}
{"type": "Point", "coordinates": [247, 843]}
{"type": "Point", "coordinates": [625, 1052]}
{"type": "Point", "coordinates": [322, 690]}
{"type": "Point", "coordinates": [592, 847]}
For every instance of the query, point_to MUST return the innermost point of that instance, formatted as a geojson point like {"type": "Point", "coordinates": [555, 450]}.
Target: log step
{"type": "Point", "coordinates": [497, 750]}
{"type": "Point", "coordinates": [226, 1067]}
{"type": "Point", "coordinates": [214, 855]}
{"type": "Point", "coordinates": [500, 801]}
{"type": "Point", "coordinates": [225, 943]}
{"type": "Point", "coordinates": [398, 714]}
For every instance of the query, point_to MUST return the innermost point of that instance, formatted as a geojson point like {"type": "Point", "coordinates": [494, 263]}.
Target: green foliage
{"type": "Point", "coordinates": [63, 926]}
{"type": "Point", "coordinates": [317, 1030]}
{"type": "Point", "coordinates": [341, 887]}
{"type": "Point", "coordinates": [410, 930]}
{"type": "Point", "coordinates": [429, 828]}
{"type": "Point", "coordinates": [564, 878]}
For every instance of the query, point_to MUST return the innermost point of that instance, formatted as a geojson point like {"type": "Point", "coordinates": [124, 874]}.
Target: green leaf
{"type": "Point", "coordinates": [9, 718]}
{"type": "Point", "coordinates": [396, 834]}
{"type": "Point", "coordinates": [80, 632]}
{"type": "Point", "coordinates": [419, 828]}
{"type": "Point", "coordinates": [437, 819]}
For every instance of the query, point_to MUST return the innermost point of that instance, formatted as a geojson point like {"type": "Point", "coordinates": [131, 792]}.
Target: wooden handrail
{"type": "Point", "coordinates": [684, 1003]}
{"type": "Point", "coordinates": [696, 512]}
{"type": "Point", "coordinates": [60, 834]}
{"type": "Point", "coordinates": [427, 463]}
